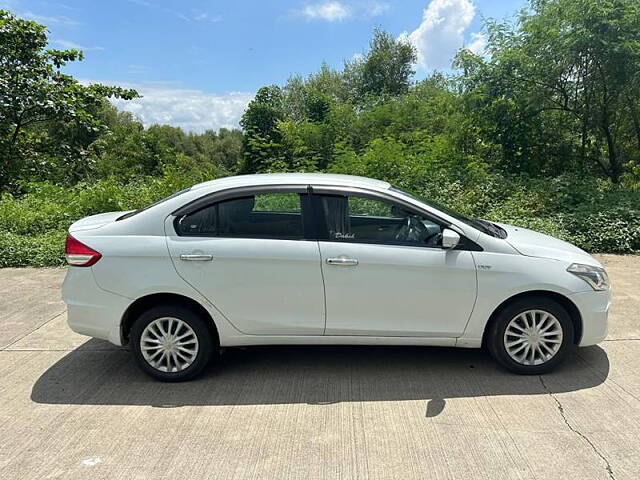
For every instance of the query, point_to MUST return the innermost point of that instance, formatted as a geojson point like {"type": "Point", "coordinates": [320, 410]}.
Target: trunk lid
{"type": "Point", "coordinates": [95, 221]}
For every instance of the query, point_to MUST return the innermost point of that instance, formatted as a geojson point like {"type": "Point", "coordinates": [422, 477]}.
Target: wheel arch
{"type": "Point", "coordinates": [142, 304]}
{"type": "Point", "coordinates": [572, 310]}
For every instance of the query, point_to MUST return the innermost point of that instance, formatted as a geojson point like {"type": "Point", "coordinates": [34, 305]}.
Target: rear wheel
{"type": "Point", "coordinates": [171, 343]}
{"type": "Point", "coordinates": [531, 336]}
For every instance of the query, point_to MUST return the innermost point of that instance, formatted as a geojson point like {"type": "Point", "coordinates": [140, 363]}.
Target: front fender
{"type": "Point", "coordinates": [503, 276]}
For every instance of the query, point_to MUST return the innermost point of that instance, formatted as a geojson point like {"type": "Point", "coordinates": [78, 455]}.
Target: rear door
{"type": "Point", "coordinates": [247, 254]}
{"type": "Point", "coordinates": [386, 273]}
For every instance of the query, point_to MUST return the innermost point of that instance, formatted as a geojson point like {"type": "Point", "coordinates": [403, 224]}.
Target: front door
{"type": "Point", "coordinates": [248, 257]}
{"type": "Point", "coordinates": [385, 273]}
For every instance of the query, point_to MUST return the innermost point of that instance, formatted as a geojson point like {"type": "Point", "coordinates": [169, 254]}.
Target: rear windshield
{"type": "Point", "coordinates": [135, 212]}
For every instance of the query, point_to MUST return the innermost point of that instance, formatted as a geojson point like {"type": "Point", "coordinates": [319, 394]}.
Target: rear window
{"type": "Point", "coordinates": [135, 212]}
{"type": "Point", "coordinates": [267, 215]}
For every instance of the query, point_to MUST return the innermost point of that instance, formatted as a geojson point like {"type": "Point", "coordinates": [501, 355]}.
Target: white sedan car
{"type": "Point", "coordinates": [319, 259]}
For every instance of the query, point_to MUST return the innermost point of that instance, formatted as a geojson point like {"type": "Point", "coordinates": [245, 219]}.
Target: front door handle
{"type": "Point", "coordinates": [196, 258]}
{"type": "Point", "coordinates": [342, 261]}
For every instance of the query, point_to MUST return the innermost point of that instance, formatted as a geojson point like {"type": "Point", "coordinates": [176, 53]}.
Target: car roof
{"type": "Point", "coordinates": [291, 179]}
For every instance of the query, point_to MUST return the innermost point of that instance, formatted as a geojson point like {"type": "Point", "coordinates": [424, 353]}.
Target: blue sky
{"type": "Point", "coordinates": [198, 62]}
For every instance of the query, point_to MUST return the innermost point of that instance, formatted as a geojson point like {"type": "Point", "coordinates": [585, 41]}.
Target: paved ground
{"type": "Point", "coordinates": [71, 407]}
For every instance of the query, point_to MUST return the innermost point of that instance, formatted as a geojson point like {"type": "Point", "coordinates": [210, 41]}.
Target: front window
{"type": "Point", "coordinates": [483, 225]}
{"type": "Point", "coordinates": [356, 218]}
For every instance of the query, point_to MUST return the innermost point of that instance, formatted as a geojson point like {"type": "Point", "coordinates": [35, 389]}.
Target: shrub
{"type": "Point", "coordinates": [594, 215]}
{"type": "Point", "coordinates": [43, 250]}
{"type": "Point", "coordinates": [33, 226]}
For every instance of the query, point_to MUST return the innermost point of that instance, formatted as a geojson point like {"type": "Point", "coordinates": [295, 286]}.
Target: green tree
{"type": "Point", "coordinates": [385, 70]}
{"type": "Point", "coordinates": [35, 95]}
{"type": "Point", "coordinates": [560, 90]}
{"type": "Point", "coordinates": [126, 150]}
{"type": "Point", "coordinates": [262, 147]}
{"type": "Point", "coordinates": [222, 148]}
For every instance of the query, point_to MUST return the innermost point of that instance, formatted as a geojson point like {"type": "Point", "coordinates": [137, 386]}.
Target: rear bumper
{"type": "Point", "coordinates": [90, 310]}
{"type": "Point", "coordinates": [594, 309]}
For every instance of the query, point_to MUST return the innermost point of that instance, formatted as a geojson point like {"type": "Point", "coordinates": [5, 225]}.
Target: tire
{"type": "Point", "coordinates": [190, 355]}
{"type": "Point", "coordinates": [531, 311]}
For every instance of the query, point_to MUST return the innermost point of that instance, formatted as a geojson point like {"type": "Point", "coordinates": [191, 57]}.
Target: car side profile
{"type": "Point", "coordinates": [314, 259]}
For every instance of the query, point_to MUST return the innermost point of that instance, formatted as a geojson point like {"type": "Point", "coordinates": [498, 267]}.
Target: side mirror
{"type": "Point", "coordinates": [450, 239]}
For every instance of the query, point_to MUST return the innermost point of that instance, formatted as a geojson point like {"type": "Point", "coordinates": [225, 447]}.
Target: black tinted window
{"type": "Point", "coordinates": [363, 219]}
{"type": "Point", "coordinates": [265, 215]}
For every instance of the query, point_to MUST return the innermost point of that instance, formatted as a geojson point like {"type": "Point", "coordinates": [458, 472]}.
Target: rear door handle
{"type": "Point", "coordinates": [196, 258]}
{"type": "Point", "coordinates": [342, 261]}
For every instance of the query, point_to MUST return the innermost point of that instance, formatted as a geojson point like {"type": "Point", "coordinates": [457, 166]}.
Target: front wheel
{"type": "Point", "coordinates": [171, 343]}
{"type": "Point", "coordinates": [531, 336]}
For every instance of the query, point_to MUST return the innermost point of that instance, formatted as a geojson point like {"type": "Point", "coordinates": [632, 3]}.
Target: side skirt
{"type": "Point", "coordinates": [246, 340]}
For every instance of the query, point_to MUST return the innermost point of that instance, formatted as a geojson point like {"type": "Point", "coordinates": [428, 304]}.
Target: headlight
{"type": "Point", "coordinates": [594, 276]}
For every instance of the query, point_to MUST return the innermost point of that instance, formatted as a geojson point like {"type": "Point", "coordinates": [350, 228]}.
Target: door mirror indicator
{"type": "Point", "coordinates": [450, 239]}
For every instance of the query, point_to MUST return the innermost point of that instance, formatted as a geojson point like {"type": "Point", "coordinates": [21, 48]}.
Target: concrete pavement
{"type": "Point", "coordinates": [72, 407]}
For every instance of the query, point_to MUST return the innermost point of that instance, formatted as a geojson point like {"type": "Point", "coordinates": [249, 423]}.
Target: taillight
{"type": "Point", "coordinates": [78, 254]}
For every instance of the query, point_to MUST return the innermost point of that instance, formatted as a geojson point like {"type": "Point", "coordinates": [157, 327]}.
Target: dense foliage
{"type": "Point", "coordinates": [543, 132]}
{"type": "Point", "coordinates": [47, 118]}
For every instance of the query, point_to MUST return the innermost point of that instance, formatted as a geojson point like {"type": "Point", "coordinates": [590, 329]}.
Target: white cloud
{"type": "Point", "coordinates": [334, 11]}
{"type": "Point", "coordinates": [206, 17]}
{"type": "Point", "coordinates": [46, 20]}
{"type": "Point", "coordinates": [441, 32]}
{"type": "Point", "coordinates": [69, 44]}
{"type": "Point", "coordinates": [193, 15]}
{"type": "Point", "coordinates": [13, 6]}
{"type": "Point", "coordinates": [329, 11]}
{"type": "Point", "coordinates": [478, 43]}
{"type": "Point", "coordinates": [66, 7]}
{"type": "Point", "coordinates": [8, 4]}
{"type": "Point", "coordinates": [374, 9]}
{"type": "Point", "coordinates": [192, 110]}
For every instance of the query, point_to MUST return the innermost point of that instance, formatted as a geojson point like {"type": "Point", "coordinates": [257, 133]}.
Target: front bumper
{"type": "Point", "coordinates": [594, 310]}
{"type": "Point", "coordinates": [90, 310]}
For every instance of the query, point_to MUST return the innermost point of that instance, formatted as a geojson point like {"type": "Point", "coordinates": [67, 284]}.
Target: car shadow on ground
{"type": "Point", "coordinates": [99, 374]}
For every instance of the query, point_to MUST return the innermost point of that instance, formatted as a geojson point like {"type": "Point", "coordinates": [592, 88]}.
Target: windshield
{"type": "Point", "coordinates": [135, 212]}
{"type": "Point", "coordinates": [482, 225]}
